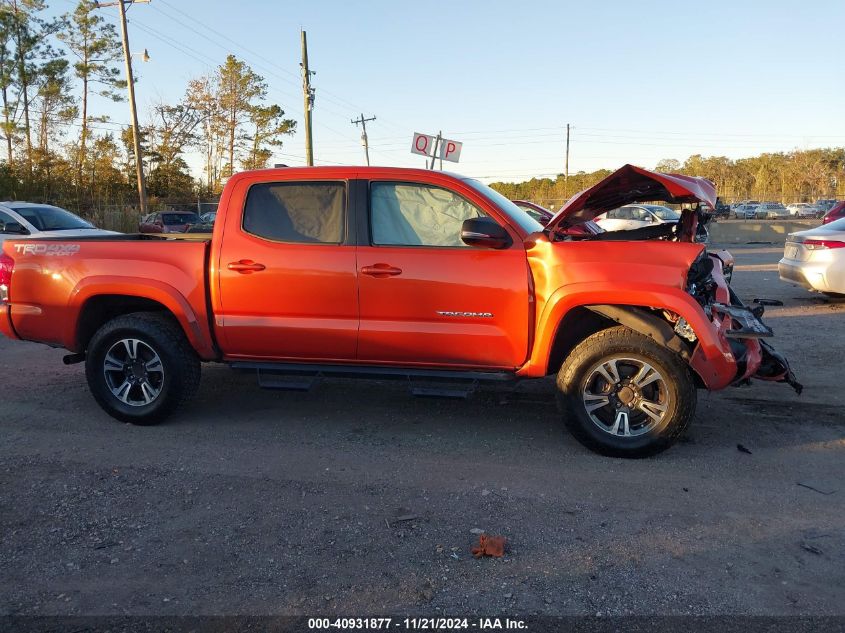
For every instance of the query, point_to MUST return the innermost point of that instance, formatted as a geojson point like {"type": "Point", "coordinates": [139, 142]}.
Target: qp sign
{"type": "Point", "coordinates": [423, 144]}
{"type": "Point", "coordinates": [450, 150]}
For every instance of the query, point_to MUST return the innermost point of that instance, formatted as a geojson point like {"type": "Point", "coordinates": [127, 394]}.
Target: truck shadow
{"type": "Point", "coordinates": [385, 413]}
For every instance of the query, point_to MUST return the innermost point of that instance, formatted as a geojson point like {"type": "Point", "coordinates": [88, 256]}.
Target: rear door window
{"type": "Point", "coordinates": [638, 213]}
{"type": "Point", "coordinates": [308, 213]}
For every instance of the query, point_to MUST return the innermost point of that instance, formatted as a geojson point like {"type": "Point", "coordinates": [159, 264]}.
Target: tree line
{"type": "Point", "coordinates": [798, 176]}
{"type": "Point", "coordinates": [59, 149]}
{"type": "Point", "coordinates": [56, 147]}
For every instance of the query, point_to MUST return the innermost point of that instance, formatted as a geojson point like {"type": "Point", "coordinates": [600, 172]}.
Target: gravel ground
{"type": "Point", "coordinates": [358, 499]}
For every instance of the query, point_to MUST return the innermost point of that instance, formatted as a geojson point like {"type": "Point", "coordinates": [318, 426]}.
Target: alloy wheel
{"type": "Point", "coordinates": [625, 397]}
{"type": "Point", "coordinates": [134, 372]}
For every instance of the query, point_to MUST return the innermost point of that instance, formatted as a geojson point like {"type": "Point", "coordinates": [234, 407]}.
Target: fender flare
{"type": "Point", "coordinates": [196, 331]}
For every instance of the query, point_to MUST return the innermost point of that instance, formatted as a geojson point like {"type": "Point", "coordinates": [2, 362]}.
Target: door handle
{"type": "Point", "coordinates": [381, 270]}
{"type": "Point", "coordinates": [246, 267]}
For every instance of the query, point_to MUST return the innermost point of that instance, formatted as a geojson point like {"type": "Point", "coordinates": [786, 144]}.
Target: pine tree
{"type": "Point", "coordinates": [97, 48]}
{"type": "Point", "coordinates": [269, 126]}
{"type": "Point", "coordinates": [238, 88]}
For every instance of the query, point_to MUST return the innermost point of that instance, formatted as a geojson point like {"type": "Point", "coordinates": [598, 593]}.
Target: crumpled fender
{"type": "Point", "coordinates": [711, 360]}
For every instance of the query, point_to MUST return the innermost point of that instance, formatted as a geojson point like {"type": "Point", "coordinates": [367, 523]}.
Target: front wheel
{"type": "Point", "coordinates": [140, 367]}
{"type": "Point", "coordinates": [623, 395]}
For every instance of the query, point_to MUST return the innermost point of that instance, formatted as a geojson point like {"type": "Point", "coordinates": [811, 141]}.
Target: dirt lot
{"type": "Point", "coordinates": [357, 498]}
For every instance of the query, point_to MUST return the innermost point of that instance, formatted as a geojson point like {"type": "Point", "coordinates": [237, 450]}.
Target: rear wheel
{"type": "Point", "coordinates": [624, 395]}
{"type": "Point", "coordinates": [140, 368]}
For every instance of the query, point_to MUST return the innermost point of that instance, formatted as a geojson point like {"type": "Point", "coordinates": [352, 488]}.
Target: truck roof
{"type": "Point", "coordinates": [343, 171]}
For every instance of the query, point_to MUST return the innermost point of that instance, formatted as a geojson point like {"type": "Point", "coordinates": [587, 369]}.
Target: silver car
{"type": "Point", "coordinates": [771, 211]}
{"type": "Point", "coordinates": [746, 211]}
{"type": "Point", "coordinates": [27, 219]}
{"type": "Point", "coordinates": [815, 258]}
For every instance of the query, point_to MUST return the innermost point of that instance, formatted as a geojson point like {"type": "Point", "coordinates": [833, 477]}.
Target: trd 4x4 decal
{"type": "Point", "coordinates": [57, 250]}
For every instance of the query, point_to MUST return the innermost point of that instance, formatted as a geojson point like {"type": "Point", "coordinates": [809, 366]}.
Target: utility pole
{"type": "Point", "coordinates": [364, 140]}
{"type": "Point", "coordinates": [566, 173]}
{"type": "Point", "coordinates": [130, 84]}
{"type": "Point", "coordinates": [308, 94]}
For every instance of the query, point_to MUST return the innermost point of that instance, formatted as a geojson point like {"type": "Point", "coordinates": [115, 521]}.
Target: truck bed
{"type": "Point", "coordinates": [54, 279]}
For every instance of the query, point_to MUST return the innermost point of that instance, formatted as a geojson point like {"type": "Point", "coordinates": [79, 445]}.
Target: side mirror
{"type": "Point", "coordinates": [484, 232]}
{"type": "Point", "coordinates": [14, 228]}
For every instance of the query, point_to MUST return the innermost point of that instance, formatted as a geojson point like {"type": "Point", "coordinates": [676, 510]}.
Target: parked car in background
{"type": "Point", "coordinates": [815, 258]}
{"type": "Point", "coordinates": [28, 219]}
{"type": "Point", "coordinates": [543, 215]}
{"type": "Point", "coordinates": [168, 222]}
{"type": "Point", "coordinates": [746, 211]}
{"type": "Point", "coordinates": [208, 218]}
{"type": "Point", "coordinates": [635, 216]}
{"type": "Point", "coordinates": [825, 204]}
{"type": "Point", "coordinates": [722, 209]}
{"type": "Point", "coordinates": [771, 211]}
{"type": "Point", "coordinates": [803, 210]}
{"type": "Point", "coordinates": [836, 212]}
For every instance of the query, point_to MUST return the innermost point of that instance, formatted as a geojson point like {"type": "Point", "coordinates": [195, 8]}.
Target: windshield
{"type": "Point", "coordinates": [514, 213]}
{"type": "Point", "coordinates": [179, 218]}
{"type": "Point", "coordinates": [51, 218]}
{"type": "Point", "coordinates": [664, 213]}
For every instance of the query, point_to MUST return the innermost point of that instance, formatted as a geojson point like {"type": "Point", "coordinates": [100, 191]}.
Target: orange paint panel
{"type": "Point", "coordinates": [448, 306]}
{"type": "Point", "coordinates": [301, 300]}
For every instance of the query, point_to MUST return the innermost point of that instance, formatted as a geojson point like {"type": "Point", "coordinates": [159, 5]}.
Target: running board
{"type": "Point", "coordinates": [450, 388]}
{"type": "Point", "coordinates": [299, 377]}
{"type": "Point", "coordinates": [286, 382]}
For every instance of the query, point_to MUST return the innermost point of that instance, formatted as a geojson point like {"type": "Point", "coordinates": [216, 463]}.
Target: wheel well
{"type": "Point", "coordinates": [99, 310]}
{"type": "Point", "coordinates": [584, 321]}
{"type": "Point", "coordinates": [576, 325]}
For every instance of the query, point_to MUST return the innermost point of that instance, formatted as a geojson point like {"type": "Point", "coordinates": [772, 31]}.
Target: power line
{"type": "Point", "coordinates": [330, 96]}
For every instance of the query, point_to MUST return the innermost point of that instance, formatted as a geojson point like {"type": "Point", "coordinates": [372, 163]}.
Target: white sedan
{"type": "Point", "coordinates": [27, 219]}
{"type": "Point", "coordinates": [803, 210]}
{"type": "Point", "coordinates": [635, 216]}
{"type": "Point", "coordinates": [815, 259]}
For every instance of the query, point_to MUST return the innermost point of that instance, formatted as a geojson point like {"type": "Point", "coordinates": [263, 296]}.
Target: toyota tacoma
{"type": "Point", "coordinates": [405, 272]}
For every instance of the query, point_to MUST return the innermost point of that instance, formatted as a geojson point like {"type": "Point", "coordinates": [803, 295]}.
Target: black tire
{"type": "Point", "coordinates": [674, 391]}
{"type": "Point", "coordinates": [174, 384]}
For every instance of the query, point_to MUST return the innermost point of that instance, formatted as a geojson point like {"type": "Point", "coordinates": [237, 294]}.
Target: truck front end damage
{"type": "Point", "coordinates": [739, 329]}
{"type": "Point", "coordinates": [733, 349]}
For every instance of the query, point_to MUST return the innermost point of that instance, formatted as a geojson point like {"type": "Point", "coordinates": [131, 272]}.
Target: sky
{"type": "Point", "coordinates": [637, 81]}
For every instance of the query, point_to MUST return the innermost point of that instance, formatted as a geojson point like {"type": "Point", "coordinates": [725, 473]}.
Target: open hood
{"type": "Point", "coordinates": [628, 185]}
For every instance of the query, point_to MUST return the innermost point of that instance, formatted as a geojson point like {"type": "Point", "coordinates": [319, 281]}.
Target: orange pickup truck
{"type": "Point", "coordinates": [404, 272]}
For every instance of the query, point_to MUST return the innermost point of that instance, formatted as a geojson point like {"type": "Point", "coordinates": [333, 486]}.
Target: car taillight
{"type": "Point", "coordinates": [7, 264]}
{"type": "Point", "coordinates": [814, 245]}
